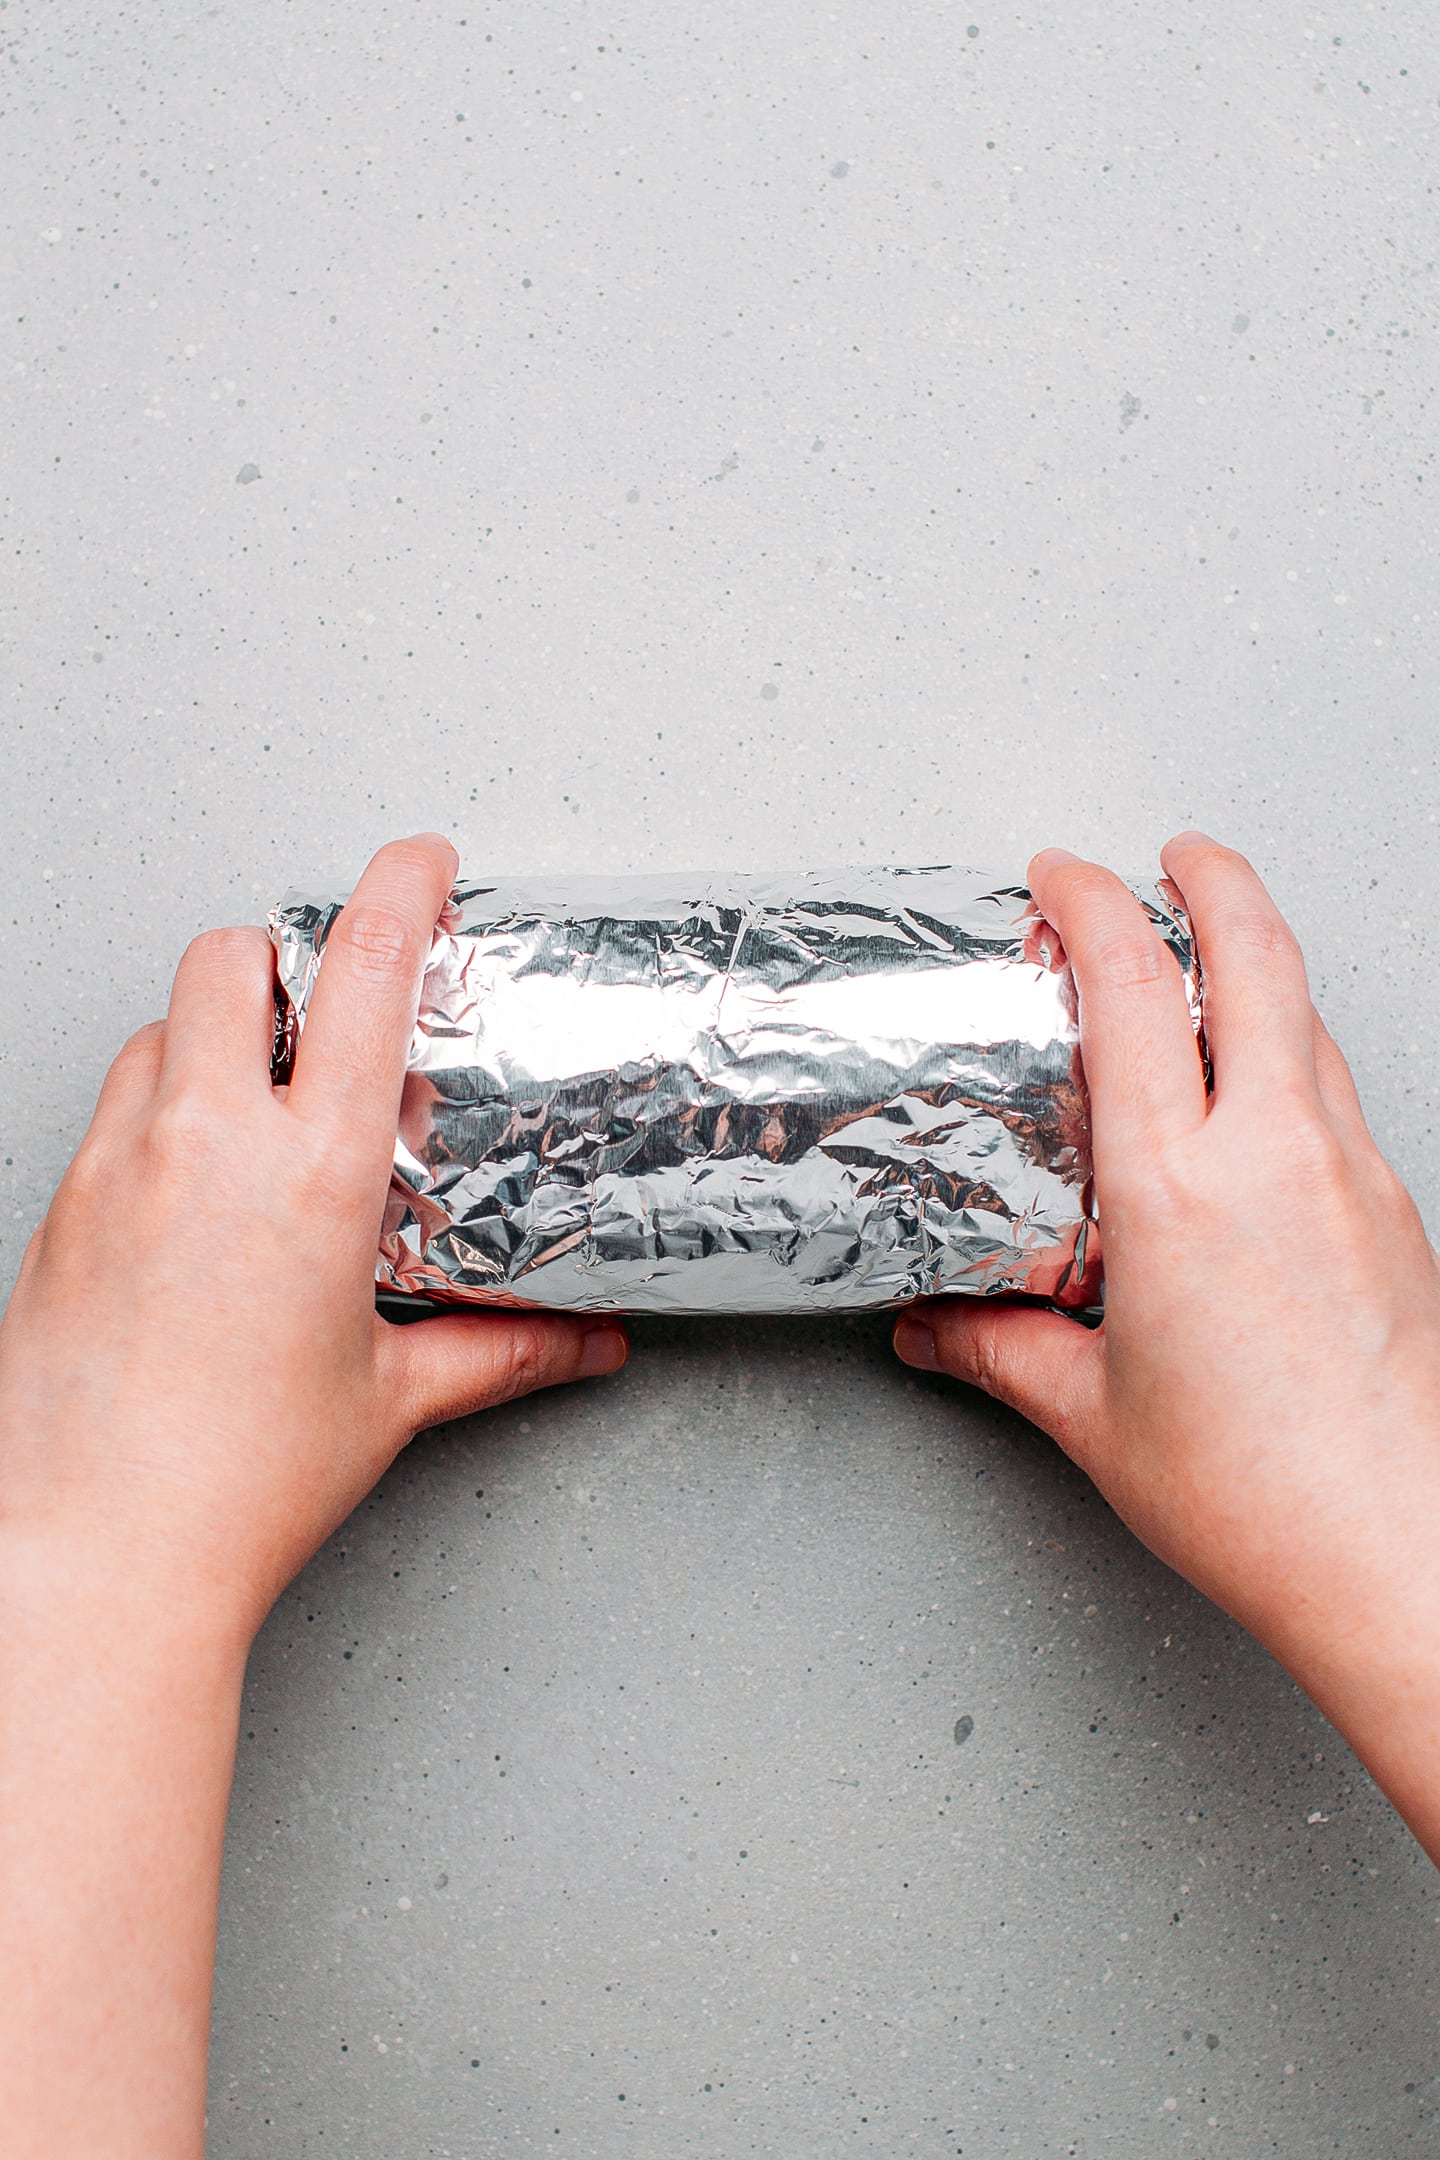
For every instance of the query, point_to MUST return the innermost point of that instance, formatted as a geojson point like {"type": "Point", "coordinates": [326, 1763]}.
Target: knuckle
{"type": "Point", "coordinates": [325, 1197]}
{"type": "Point", "coordinates": [1392, 1197]}
{"type": "Point", "coordinates": [985, 1352]}
{"type": "Point", "coordinates": [316, 1180]}
{"type": "Point", "coordinates": [183, 1137]}
{"type": "Point", "coordinates": [1169, 1187]}
{"type": "Point", "coordinates": [524, 1364]}
{"type": "Point", "coordinates": [1260, 933]}
{"type": "Point", "coordinates": [978, 1354]}
{"type": "Point", "coordinates": [90, 1176]}
{"type": "Point", "coordinates": [32, 1259]}
{"type": "Point", "coordinates": [1308, 1148]}
{"type": "Point", "coordinates": [1130, 961]}
{"type": "Point", "coordinates": [1158, 1191]}
{"type": "Point", "coordinates": [138, 1047]}
{"type": "Point", "coordinates": [376, 938]}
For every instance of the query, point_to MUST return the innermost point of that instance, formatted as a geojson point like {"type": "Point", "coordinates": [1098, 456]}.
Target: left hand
{"type": "Point", "coordinates": [195, 1387]}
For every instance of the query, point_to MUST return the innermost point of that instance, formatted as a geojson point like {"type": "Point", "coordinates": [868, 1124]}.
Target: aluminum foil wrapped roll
{"type": "Point", "coordinates": [815, 1093]}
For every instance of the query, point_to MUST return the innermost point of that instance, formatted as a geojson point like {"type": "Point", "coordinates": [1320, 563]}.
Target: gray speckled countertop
{"type": "Point", "coordinates": [744, 435]}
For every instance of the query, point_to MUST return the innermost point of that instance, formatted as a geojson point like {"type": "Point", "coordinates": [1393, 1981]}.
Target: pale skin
{"type": "Point", "coordinates": [1262, 1403]}
{"type": "Point", "coordinates": [195, 1391]}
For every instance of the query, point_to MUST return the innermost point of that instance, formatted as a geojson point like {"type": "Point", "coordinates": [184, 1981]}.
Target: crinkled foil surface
{"type": "Point", "coordinates": [813, 1093]}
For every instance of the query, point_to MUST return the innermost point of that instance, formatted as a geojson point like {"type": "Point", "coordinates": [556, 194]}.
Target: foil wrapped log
{"type": "Point", "coordinates": [816, 1093]}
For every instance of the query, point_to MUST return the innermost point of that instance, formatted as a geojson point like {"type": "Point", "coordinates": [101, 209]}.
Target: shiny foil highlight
{"type": "Point", "coordinates": [826, 1092]}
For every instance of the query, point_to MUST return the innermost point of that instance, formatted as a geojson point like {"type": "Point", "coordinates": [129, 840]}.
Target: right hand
{"type": "Point", "coordinates": [1262, 1402]}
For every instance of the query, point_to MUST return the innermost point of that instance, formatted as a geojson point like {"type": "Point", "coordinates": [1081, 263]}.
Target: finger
{"type": "Point", "coordinates": [1050, 1370]}
{"type": "Point", "coordinates": [221, 1024]}
{"type": "Point", "coordinates": [462, 1362]}
{"type": "Point", "coordinates": [351, 1057]}
{"type": "Point", "coordinates": [1338, 1091]}
{"type": "Point", "coordinates": [1259, 1021]}
{"type": "Point", "coordinates": [133, 1076]}
{"type": "Point", "coordinates": [126, 1093]}
{"type": "Point", "coordinates": [31, 1262]}
{"type": "Point", "coordinates": [1142, 1066]}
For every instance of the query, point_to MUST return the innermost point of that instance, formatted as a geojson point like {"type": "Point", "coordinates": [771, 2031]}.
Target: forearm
{"type": "Point", "coordinates": [1367, 1658]}
{"type": "Point", "coordinates": [118, 1718]}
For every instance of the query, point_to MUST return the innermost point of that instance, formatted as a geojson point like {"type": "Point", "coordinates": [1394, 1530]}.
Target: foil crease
{"type": "Point", "coordinates": [826, 1092]}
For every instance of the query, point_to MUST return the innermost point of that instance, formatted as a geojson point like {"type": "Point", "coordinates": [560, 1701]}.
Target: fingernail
{"type": "Point", "coordinates": [1192, 832]}
{"type": "Point", "coordinates": [915, 1345]}
{"type": "Point", "coordinates": [605, 1349]}
{"type": "Point", "coordinates": [1053, 855]}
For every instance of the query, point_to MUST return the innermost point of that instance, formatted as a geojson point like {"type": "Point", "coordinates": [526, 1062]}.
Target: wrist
{"type": "Point", "coordinates": [58, 1578]}
{"type": "Point", "coordinates": [1361, 1643]}
{"type": "Point", "coordinates": [119, 1712]}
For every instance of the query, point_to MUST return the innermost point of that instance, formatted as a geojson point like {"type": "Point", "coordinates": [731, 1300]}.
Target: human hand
{"type": "Point", "coordinates": [1262, 1402]}
{"type": "Point", "coordinates": [195, 1387]}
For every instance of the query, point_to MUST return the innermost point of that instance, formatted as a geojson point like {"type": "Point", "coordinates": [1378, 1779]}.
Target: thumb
{"type": "Point", "coordinates": [1049, 1369]}
{"type": "Point", "coordinates": [461, 1362]}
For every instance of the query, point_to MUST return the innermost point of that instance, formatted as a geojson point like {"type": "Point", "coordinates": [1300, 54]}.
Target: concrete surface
{"type": "Point", "coordinates": [750, 434]}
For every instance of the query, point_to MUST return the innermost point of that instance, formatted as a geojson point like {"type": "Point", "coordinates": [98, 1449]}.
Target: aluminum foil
{"type": "Point", "coordinates": [813, 1093]}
